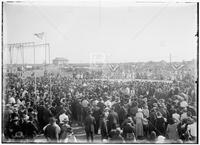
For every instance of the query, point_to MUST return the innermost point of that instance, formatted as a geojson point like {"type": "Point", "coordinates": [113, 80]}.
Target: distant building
{"type": "Point", "coordinates": [60, 61]}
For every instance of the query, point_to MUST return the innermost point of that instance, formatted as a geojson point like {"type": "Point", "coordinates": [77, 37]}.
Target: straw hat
{"type": "Point", "coordinates": [66, 119]}
{"type": "Point", "coordinates": [160, 139]}
{"type": "Point", "coordinates": [139, 110]}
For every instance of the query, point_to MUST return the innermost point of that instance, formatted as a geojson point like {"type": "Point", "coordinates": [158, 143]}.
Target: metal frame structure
{"type": "Point", "coordinates": [21, 47]}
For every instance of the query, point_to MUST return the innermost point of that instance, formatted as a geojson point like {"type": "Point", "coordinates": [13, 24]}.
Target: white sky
{"type": "Point", "coordinates": [115, 31]}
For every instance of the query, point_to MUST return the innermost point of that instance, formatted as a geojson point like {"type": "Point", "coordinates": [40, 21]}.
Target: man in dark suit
{"type": "Point", "coordinates": [97, 115]}
{"type": "Point", "coordinates": [113, 119]}
{"type": "Point", "coordinates": [89, 126]}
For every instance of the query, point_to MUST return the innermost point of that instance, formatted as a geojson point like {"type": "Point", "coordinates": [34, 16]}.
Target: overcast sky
{"type": "Point", "coordinates": [113, 31]}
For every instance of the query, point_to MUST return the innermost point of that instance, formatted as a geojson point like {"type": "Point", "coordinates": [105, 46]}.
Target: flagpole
{"type": "Point", "coordinates": [50, 73]}
{"type": "Point", "coordinates": [197, 81]}
{"type": "Point", "coordinates": [34, 73]}
{"type": "Point", "coordinates": [45, 49]}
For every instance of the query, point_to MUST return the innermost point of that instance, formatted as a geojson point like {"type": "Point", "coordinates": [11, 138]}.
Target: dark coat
{"type": "Point", "coordinates": [122, 114]}
{"type": "Point", "coordinates": [89, 123]}
{"type": "Point", "coordinates": [101, 106]}
{"type": "Point", "coordinates": [104, 129]}
{"type": "Point", "coordinates": [160, 126]}
{"type": "Point", "coordinates": [113, 120]}
{"type": "Point", "coordinates": [13, 129]}
{"type": "Point", "coordinates": [96, 114]}
{"type": "Point", "coordinates": [29, 129]}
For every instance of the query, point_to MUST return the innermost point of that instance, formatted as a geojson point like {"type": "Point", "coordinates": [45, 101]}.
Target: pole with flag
{"type": "Point", "coordinates": [35, 87]}
{"type": "Point", "coordinates": [41, 36]}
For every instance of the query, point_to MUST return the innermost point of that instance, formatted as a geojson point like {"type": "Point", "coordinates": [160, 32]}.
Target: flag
{"type": "Point", "coordinates": [177, 67]}
{"type": "Point", "coordinates": [39, 35]}
{"type": "Point", "coordinates": [113, 68]}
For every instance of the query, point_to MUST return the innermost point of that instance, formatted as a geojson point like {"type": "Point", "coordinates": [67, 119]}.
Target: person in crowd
{"type": "Point", "coordinates": [14, 128]}
{"type": "Point", "coordinates": [172, 130]}
{"type": "Point", "coordinates": [6, 119]}
{"type": "Point", "coordinates": [160, 124]}
{"type": "Point", "coordinates": [184, 114]}
{"type": "Point", "coordinates": [64, 129]}
{"type": "Point", "coordinates": [122, 113]}
{"type": "Point", "coordinates": [28, 128]}
{"type": "Point", "coordinates": [116, 136]}
{"type": "Point", "coordinates": [145, 112]}
{"type": "Point", "coordinates": [103, 127]}
{"type": "Point", "coordinates": [129, 130]}
{"type": "Point", "coordinates": [139, 124]}
{"type": "Point", "coordinates": [71, 138]}
{"type": "Point", "coordinates": [113, 119]}
{"type": "Point", "coordinates": [182, 130]}
{"type": "Point", "coordinates": [153, 137]}
{"type": "Point", "coordinates": [97, 114]}
{"type": "Point", "coordinates": [89, 126]}
{"type": "Point", "coordinates": [133, 109]}
{"type": "Point", "coordinates": [52, 131]}
{"type": "Point", "coordinates": [176, 116]}
{"type": "Point", "coordinates": [40, 110]}
{"type": "Point", "coordinates": [63, 116]}
{"type": "Point", "coordinates": [152, 118]}
{"type": "Point", "coordinates": [85, 108]}
{"type": "Point", "coordinates": [53, 109]}
{"type": "Point", "coordinates": [191, 128]}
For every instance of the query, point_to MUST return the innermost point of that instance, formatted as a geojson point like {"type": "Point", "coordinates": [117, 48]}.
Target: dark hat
{"type": "Point", "coordinates": [89, 111]}
{"type": "Point", "coordinates": [69, 130]}
{"type": "Point", "coordinates": [155, 104]}
{"type": "Point", "coordinates": [16, 118]}
{"type": "Point", "coordinates": [19, 134]}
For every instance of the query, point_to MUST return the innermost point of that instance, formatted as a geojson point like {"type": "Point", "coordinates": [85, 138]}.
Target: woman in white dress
{"type": "Point", "coordinates": [139, 123]}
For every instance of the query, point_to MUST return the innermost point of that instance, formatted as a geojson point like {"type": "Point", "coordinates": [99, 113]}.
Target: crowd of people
{"type": "Point", "coordinates": [119, 111]}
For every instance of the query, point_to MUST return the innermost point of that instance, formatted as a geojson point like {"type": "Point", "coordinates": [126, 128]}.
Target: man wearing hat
{"type": "Point", "coordinates": [64, 129]}
{"type": "Point", "coordinates": [6, 118]}
{"type": "Point", "coordinates": [63, 116]}
{"type": "Point", "coordinates": [28, 128]}
{"type": "Point", "coordinates": [192, 128]}
{"type": "Point", "coordinates": [89, 126]}
{"type": "Point", "coordinates": [113, 119]}
{"type": "Point", "coordinates": [14, 127]}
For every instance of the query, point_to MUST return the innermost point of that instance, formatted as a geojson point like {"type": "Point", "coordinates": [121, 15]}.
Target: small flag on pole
{"type": "Point", "coordinates": [39, 35]}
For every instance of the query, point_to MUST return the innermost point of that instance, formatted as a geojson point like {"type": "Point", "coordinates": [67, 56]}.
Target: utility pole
{"type": "Point", "coordinates": [197, 81]}
{"type": "Point", "coordinates": [197, 40]}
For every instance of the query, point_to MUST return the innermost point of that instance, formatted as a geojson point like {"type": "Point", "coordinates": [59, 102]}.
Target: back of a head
{"type": "Point", "coordinates": [52, 120]}
{"type": "Point", "coordinates": [153, 135]}
{"type": "Point", "coordinates": [171, 121]}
